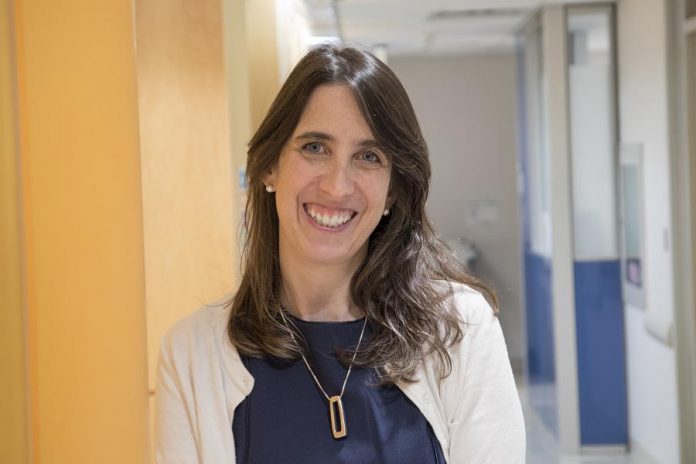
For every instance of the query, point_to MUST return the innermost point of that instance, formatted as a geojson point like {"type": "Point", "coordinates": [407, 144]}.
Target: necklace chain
{"type": "Point", "coordinates": [309, 368]}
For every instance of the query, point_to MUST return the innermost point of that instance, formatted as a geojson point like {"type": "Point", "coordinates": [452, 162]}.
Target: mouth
{"type": "Point", "coordinates": [329, 218]}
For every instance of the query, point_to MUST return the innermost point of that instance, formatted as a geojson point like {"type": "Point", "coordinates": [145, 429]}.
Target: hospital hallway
{"type": "Point", "coordinates": [561, 137]}
{"type": "Point", "coordinates": [543, 446]}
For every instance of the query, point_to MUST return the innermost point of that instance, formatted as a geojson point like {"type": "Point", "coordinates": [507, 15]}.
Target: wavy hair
{"type": "Point", "coordinates": [402, 286]}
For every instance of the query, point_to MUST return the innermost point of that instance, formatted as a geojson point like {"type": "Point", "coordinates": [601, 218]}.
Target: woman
{"type": "Point", "coordinates": [352, 338]}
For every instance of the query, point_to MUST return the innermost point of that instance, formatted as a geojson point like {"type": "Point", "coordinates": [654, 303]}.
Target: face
{"type": "Point", "coordinates": [331, 182]}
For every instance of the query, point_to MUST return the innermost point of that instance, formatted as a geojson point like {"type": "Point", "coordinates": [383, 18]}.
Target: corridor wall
{"type": "Point", "coordinates": [644, 119]}
{"type": "Point", "coordinates": [81, 231]}
{"type": "Point", "coordinates": [206, 76]}
{"type": "Point", "coordinates": [188, 183]}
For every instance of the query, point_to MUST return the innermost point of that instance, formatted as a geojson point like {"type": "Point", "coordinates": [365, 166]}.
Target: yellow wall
{"type": "Point", "coordinates": [262, 42]}
{"type": "Point", "coordinates": [239, 109]}
{"type": "Point", "coordinates": [83, 241]}
{"type": "Point", "coordinates": [187, 176]}
{"type": "Point", "coordinates": [203, 74]}
{"type": "Point", "coordinates": [92, 250]}
{"type": "Point", "coordinates": [13, 411]}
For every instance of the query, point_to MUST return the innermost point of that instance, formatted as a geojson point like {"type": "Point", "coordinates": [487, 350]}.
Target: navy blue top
{"type": "Point", "coordinates": [285, 418]}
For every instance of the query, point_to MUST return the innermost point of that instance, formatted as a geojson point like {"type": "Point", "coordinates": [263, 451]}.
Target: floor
{"type": "Point", "coordinates": [542, 447]}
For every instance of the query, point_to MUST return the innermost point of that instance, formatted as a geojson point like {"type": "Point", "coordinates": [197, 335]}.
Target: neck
{"type": "Point", "coordinates": [315, 292]}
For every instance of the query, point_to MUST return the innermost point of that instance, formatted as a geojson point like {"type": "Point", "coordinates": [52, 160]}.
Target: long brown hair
{"type": "Point", "coordinates": [402, 286]}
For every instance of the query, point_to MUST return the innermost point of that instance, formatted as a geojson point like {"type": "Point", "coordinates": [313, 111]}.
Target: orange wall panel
{"type": "Point", "coordinates": [78, 130]}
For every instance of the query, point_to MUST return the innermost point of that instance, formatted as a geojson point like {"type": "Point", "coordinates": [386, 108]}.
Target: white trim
{"type": "Point", "coordinates": [602, 450]}
{"type": "Point", "coordinates": [563, 288]}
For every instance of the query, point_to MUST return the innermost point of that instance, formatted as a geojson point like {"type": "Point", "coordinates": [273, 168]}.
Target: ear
{"type": "Point", "coordinates": [270, 178]}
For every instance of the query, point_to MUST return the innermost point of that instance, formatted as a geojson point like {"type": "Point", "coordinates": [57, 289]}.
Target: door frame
{"type": "Point", "coordinates": [681, 47]}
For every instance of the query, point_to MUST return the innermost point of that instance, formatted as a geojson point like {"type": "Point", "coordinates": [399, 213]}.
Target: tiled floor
{"type": "Point", "coordinates": [542, 447]}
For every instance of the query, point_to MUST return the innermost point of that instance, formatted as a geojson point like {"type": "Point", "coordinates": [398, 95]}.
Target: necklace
{"type": "Point", "coordinates": [336, 411]}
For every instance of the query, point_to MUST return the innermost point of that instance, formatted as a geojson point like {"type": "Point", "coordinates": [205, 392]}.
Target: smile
{"type": "Point", "coordinates": [329, 217]}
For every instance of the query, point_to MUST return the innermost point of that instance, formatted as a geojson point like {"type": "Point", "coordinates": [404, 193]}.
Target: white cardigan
{"type": "Point", "coordinates": [475, 412]}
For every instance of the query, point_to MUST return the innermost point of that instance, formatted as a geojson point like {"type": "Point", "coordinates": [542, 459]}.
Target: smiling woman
{"type": "Point", "coordinates": [331, 191]}
{"type": "Point", "coordinates": [353, 337]}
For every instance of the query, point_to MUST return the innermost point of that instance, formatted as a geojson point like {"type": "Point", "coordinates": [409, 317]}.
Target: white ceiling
{"type": "Point", "coordinates": [423, 27]}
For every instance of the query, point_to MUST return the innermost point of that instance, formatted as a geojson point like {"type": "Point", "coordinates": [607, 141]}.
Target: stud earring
{"type": "Point", "coordinates": [270, 189]}
{"type": "Point", "coordinates": [386, 212]}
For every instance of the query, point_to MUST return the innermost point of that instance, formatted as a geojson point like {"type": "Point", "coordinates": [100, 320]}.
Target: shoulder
{"type": "Point", "coordinates": [470, 304]}
{"type": "Point", "coordinates": [196, 331]}
{"type": "Point", "coordinates": [481, 331]}
{"type": "Point", "coordinates": [479, 397]}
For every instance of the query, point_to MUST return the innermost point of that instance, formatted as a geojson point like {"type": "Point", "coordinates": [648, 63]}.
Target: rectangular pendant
{"type": "Point", "coordinates": [336, 407]}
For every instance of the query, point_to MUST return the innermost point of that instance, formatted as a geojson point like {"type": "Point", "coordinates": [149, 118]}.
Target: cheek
{"type": "Point", "coordinates": [384, 188]}
{"type": "Point", "coordinates": [292, 185]}
{"type": "Point", "coordinates": [295, 176]}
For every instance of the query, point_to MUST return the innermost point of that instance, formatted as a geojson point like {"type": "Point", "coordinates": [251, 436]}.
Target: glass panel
{"type": "Point", "coordinates": [593, 139]}
{"type": "Point", "coordinates": [535, 186]}
{"type": "Point", "coordinates": [599, 321]}
{"type": "Point", "coordinates": [633, 233]}
{"type": "Point", "coordinates": [539, 214]}
{"type": "Point", "coordinates": [632, 224]}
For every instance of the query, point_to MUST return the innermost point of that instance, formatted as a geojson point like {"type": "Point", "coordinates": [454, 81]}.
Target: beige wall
{"type": "Point", "coordinates": [466, 108]}
{"type": "Point", "coordinates": [82, 231]}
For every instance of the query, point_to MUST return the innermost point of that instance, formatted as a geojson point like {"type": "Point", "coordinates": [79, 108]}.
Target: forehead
{"type": "Point", "coordinates": [332, 109]}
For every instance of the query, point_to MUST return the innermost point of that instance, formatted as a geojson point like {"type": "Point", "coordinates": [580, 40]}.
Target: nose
{"type": "Point", "coordinates": [337, 180]}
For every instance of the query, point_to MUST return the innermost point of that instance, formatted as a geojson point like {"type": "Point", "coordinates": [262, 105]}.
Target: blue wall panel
{"type": "Point", "coordinates": [540, 346]}
{"type": "Point", "coordinates": [541, 370]}
{"type": "Point", "coordinates": [601, 353]}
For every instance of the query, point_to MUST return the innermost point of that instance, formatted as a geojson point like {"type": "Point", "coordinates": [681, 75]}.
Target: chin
{"type": "Point", "coordinates": [331, 255]}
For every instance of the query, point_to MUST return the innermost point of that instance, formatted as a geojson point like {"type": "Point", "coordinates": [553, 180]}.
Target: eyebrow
{"type": "Point", "coordinates": [315, 135]}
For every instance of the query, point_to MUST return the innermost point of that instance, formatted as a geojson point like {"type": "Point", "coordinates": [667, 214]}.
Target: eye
{"type": "Point", "coordinates": [370, 157]}
{"type": "Point", "coordinates": [313, 147]}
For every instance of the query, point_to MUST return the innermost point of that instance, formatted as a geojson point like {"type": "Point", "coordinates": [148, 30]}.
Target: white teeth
{"type": "Point", "coordinates": [329, 221]}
